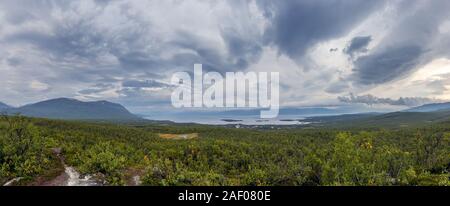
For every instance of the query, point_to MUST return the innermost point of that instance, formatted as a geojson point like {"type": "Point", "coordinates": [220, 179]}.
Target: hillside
{"type": "Point", "coordinates": [71, 109]}
{"type": "Point", "coordinates": [181, 155]}
{"type": "Point", "coordinates": [406, 119]}
{"type": "Point", "coordinates": [391, 120]}
{"type": "Point", "coordinates": [4, 106]}
{"type": "Point", "coordinates": [430, 107]}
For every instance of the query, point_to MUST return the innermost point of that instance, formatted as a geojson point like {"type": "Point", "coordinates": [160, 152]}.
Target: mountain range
{"type": "Point", "coordinates": [430, 107]}
{"type": "Point", "coordinates": [72, 109]}
{"type": "Point", "coordinates": [417, 116]}
{"type": "Point", "coordinates": [4, 106]}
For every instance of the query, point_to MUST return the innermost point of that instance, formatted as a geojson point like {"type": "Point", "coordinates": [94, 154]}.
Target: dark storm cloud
{"type": "Point", "coordinates": [201, 52]}
{"type": "Point", "coordinates": [407, 47]}
{"type": "Point", "coordinates": [81, 38]}
{"type": "Point", "coordinates": [387, 65]}
{"type": "Point", "coordinates": [72, 45]}
{"type": "Point", "coordinates": [244, 51]}
{"type": "Point", "coordinates": [358, 44]}
{"type": "Point", "coordinates": [298, 25]}
{"type": "Point", "coordinates": [72, 40]}
{"type": "Point", "coordinates": [373, 100]}
{"type": "Point", "coordinates": [14, 61]}
{"type": "Point", "coordinates": [77, 48]}
{"type": "Point", "coordinates": [241, 51]}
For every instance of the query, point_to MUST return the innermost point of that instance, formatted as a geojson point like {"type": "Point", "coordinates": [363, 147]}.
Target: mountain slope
{"type": "Point", "coordinates": [64, 108]}
{"type": "Point", "coordinates": [4, 106]}
{"type": "Point", "coordinates": [390, 120]}
{"type": "Point", "coordinates": [430, 107]}
{"type": "Point", "coordinates": [409, 118]}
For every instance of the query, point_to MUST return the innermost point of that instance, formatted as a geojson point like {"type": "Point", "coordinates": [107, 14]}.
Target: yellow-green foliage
{"type": "Point", "coordinates": [223, 156]}
{"type": "Point", "coordinates": [22, 149]}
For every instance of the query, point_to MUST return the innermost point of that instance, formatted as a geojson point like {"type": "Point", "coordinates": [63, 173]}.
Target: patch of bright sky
{"type": "Point", "coordinates": [416, 85]}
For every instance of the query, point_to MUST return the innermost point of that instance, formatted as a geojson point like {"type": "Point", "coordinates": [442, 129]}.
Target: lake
{"type": "Point", "coordinates": [232, 120]}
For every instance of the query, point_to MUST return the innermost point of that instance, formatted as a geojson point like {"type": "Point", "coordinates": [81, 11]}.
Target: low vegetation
{"type": "Point", "coordinates": [208, 155]}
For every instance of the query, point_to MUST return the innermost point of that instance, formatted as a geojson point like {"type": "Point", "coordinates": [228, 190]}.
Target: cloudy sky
{"type": "Point", "coordinates": [336, 52]}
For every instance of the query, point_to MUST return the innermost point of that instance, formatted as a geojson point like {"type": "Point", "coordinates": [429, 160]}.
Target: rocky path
{"type": "Point", "coordinates": [70, 177]}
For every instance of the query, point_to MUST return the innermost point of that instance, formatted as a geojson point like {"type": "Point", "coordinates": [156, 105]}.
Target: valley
{"type": "Point", "coordinates": [165, 155]}
{"type": "Point", "coordinates": [399, 148]}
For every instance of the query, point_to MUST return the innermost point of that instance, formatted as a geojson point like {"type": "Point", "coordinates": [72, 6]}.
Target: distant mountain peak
{"type": "Point", "coordinates": [4, 106]}
{"type": "Point", "coordinates": [61, 99]}
{"type": "Point", "coordinates": [68, 108]}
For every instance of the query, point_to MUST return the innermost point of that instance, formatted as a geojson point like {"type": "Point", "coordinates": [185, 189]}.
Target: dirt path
{"type": "Point", "coordinates": [59, 175]}
{"type": "Point", "coordinates": [60, 180]}
{"type": "Point", "coordinates": [69, 177]}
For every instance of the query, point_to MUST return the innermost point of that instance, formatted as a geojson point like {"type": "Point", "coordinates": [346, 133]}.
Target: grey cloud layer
{"type": "Point", "coordinates": [358, 44]}
{"type": "Point", "coordinates": [110, 42]}
{"type": "Point", "coordinates": [125, 48]}
{"type": "Point", "coordinates": [373, 100]}
{"type": "Point", "coordinates": [296, 26]}
{"type": "Point", "coordinates": [145, 84]}
{"type": "Point", "coordinates": [407, 46]}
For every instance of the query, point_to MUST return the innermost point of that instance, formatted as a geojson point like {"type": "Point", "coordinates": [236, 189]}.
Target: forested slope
{"type": "Point", "coordinates": [221, 156]}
